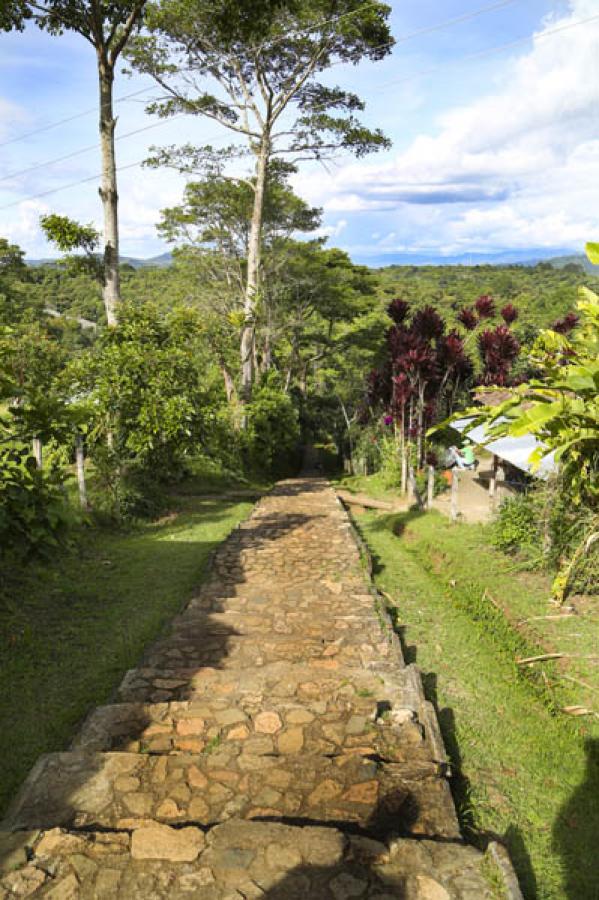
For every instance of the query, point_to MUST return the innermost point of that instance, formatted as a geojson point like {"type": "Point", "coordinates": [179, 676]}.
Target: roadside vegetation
{"type": "Point", "coordinates": [73, 622]}
{"type": "Point", "coordinates": [523, 770]}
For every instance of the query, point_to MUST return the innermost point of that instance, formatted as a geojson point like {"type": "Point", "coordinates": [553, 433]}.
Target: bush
{"type": "Point", "coordinates": [517, 524]}
{"type": "Point", "coordinates": [34, 515]}
{"type": "Point", "coordinates": [440, 483]}
{"type": "Point", "coordinates": [546, 528]}
{"type": "Point", "coordinates": [272, 437]}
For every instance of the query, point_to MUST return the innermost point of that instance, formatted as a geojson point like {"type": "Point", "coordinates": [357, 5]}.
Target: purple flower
{"type": "Point", "coordinates": [388, 420]}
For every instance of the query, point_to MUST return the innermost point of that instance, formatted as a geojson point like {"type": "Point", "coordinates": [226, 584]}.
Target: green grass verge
{"type": "Point", "coordinates": [71, 628]}
{"type": "Point", "coordinates": [523, 771]}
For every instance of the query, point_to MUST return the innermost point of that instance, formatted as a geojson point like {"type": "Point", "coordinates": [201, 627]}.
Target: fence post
{"type": "Point", "coordinates": [80, 465]}
{"type": "Point", "coordinates": [455, 488]}
{"type": "Point", "coordinates": [404, 469]}
{"type": "Point", "coordinates": [493, 481]}
{"type": "Point", "coordinates": [430, 487]}
{"type": "Point", "coordinates": [37, 451]}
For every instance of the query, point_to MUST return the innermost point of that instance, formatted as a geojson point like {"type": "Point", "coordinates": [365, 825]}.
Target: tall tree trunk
{"type": "Point", "coordinates": [253, 271]}
{"type": "Point", "coordinates": [80, 465]}
{"type": "Point", "coordinates": [229, 383]}
{"type": "Point", "coordinates": [111, 290]}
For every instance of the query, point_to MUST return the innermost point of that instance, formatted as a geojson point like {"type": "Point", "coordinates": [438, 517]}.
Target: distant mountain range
{"type": "Point", "coordinates": [557, 257]}
{"type": "Point", "coordinates": [164, 259]}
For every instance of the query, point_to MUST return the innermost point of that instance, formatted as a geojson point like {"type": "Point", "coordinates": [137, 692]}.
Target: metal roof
{"type": "Point", "coordinates": [515, 450]}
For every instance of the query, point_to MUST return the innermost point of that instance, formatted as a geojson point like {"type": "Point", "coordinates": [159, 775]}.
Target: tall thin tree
{"type": "Point", "coordinates": [253, 67]}
{"type": "Point", "coordinates": [107, 26]}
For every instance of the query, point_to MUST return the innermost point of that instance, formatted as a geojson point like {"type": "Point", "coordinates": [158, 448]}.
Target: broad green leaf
{"type": "Point", "coordinates": [592, 250]}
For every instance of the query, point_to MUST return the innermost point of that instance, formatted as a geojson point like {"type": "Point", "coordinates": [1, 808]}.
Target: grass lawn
{"type": "Point", "coordinates": [71, 628]}
{"type": "Point", "coordinates": [523, 771]}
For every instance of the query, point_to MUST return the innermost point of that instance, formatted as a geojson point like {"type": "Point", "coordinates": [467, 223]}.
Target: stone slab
{"type": "Point", "coordinates": [122, 790]}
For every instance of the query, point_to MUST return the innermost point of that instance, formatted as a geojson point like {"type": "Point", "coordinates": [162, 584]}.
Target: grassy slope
{"type": "Point", "coordinates": [523, 772]}
{"type": "Point", "coordinates": [70, 629]}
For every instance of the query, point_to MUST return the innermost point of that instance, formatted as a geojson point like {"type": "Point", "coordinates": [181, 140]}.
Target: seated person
{"type": "Point", "coordinates": [462, 459]}
{"type": "Point", "coordinates": [467, 453]}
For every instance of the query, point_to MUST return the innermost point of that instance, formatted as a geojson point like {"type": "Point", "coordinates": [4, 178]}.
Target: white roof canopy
{"type": "Point", "coordinates": [515, 450]}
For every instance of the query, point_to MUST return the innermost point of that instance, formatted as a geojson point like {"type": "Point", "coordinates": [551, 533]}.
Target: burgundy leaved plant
{"type": "Point", "coordinates": [398, 310]}
{"type": "Point", "coordinates": [498, 349]}
{"type": "Point", "coordinates": [509, 314]}
{"type": "Point", "coordinates": [565, 325]}
{"type": "Point", "coordinates": [427, 323]}
{"type": "Point", "coordinates": [485, 306]}
{"type": "Point", "coordinates": [468, 318]}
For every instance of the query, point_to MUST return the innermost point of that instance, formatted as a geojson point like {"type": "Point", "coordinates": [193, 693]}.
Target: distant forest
{"type": "Point", "coordinates": [542, 293]}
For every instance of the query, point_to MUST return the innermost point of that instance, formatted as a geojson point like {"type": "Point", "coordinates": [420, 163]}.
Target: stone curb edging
{"type": "Point", "coordinates": [497, 853]}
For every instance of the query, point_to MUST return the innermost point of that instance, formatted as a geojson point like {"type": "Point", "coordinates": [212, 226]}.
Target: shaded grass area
{"type": "Point", "coordinates": [70, 628]}
{"type": "Point", "coordinates": [522, 771]}
{"type": "Point", "coordinates": [375, 486]}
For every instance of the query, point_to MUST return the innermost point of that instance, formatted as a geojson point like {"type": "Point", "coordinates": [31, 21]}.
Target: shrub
{"type": "Point", "coordinates": [272, 437]}
{"type": "Point", "coordinates": [34, 515]}
{"type": "Point", "coordinates": [517, 524]}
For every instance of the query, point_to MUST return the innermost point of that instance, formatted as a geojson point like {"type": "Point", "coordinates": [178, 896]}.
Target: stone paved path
{"type": "Point", "coordinates": [272, 745]}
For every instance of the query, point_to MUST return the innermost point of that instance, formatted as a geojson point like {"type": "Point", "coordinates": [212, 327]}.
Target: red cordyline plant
{"type": "Point", "coordinates": [468, 318]}
{"type": "Point", "coordinates": [565, 325]}
{"type": "Point", "coordinates": [499, 349]}
{"type": "Point", "coordinates": [509, 314]}
{"type": "Point", "coordinates": [424, 367]}
{"type": "Point", "coordinates": [485, 307]}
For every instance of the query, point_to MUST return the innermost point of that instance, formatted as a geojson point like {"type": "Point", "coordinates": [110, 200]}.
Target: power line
{"type": "Point", "coordinates": [476, 55]}
{"type": "Point", "coordinates": [87, 149]}
{"type": "Point", "coordinates": [89, 178]}
{"type": "Point", "coordinates": [490, 50]}
{"type": "Point", "coordinates": [445, 24]}
{"type": "Point", "coordinates": [79, 115]}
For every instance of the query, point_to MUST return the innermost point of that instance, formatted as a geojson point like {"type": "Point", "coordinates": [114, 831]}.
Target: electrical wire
{"type": "Point", "coordinates": [87, 149]}
{"type": "Point", "coordinates": [445, 24]}
{"type": "Point", "coordinates": [476, 55]}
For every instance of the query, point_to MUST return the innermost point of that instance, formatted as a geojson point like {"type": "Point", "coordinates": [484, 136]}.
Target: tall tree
{"type": "Point", "coordinates": [13, 14]}
{"type": "Point", "coordinates": [253, 67]}
{"type": "Point", "coordinates": [107, 26]}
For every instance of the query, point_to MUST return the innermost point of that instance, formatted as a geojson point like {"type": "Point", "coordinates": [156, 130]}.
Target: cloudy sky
{"type": "Point", "coordinates": [494, 119]}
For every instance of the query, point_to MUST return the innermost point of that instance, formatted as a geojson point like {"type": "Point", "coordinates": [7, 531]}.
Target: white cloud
{"type": "Point", "coordinates": [517, 167]}
{"type": "Point", "coordinates": [331, 231]}
{"type": "Point", "coordinates": [22, 226]}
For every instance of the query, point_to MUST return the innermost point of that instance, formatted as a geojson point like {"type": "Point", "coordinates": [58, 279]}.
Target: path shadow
{"type": "Point", "coordinates": [576, 832]}
{"type": "Point", "coordinates": [76, 789]}
{"type": "Point", "coordinates": [359, 868]}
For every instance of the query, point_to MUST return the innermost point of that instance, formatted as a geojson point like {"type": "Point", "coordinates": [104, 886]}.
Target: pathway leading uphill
{"type": "Point", "coordinates": [273, 745]}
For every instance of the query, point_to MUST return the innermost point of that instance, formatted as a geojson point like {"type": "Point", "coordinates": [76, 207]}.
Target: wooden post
{"type": "Point", "coordinates": [404, 468]}
{"type": "Point", "coordinates": [455, 488]}
{"type": "Point", "coordinates": [493, 481]}
{"type": "Point", "coordinates": [80, 464]}
{"type": "Point", "coordinates": [430, 486]}
{"type": "Point", "coordinates": [411, 483]}
{"type": "Point", "coordinates": [37, 451]}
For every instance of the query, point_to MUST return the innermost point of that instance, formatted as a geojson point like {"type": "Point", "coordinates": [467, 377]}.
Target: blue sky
{"type": "Point", "coordinates": [493, 149]}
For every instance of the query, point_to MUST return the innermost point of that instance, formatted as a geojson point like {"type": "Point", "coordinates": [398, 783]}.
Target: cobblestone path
{"type": "Point", "coordinates": [272, 745]}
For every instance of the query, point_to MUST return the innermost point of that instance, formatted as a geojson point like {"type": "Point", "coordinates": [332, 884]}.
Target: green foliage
{"type": "Point", "coordinates": [546, 530]}
{"type": "Point", "coordinates": [69, 235]}
{"type": "Point", "coordinates": [542, 294]}
{"type": "Point", "coordinates": [272, 438]}
{"type": "Point", "coordinates": [145, 386]}
{"type": "Point", "coordinates": [517, 524]}
{"type": "Point", "coordinates": [560, 407]}
{"type": "Point", "coordinates": [34, 517]}
{"type": "Point", "coordinates": [215, 50]}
